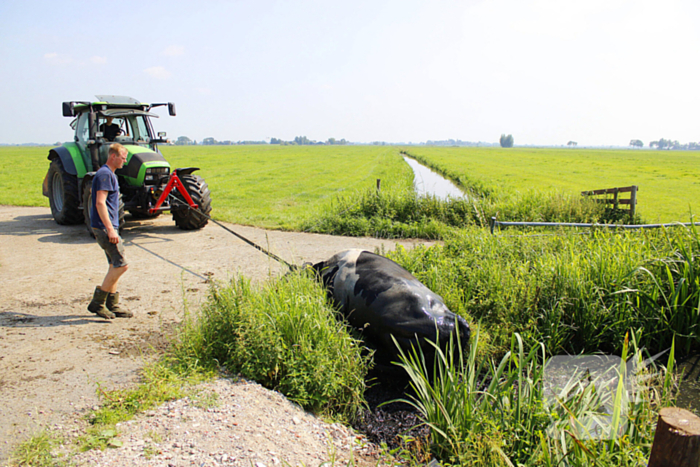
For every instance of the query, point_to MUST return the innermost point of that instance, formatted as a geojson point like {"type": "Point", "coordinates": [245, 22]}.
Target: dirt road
{"type": "Point", "coordinates": [54, 353]}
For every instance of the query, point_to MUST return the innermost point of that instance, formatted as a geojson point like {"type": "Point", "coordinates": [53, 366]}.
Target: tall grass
{"type": "Point", "coordinates": [497, 413]}
{"type": "Point", "coordinates": [398, 212]}
{"type": "Point", "coordinates": [575, 293]}
{"type": "Point", "coordinates": [283, 335]}
{"type": "Point", "coordinates": [394, 214]}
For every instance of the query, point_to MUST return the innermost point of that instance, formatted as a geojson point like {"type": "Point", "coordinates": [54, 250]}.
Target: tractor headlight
{"type": "Point", "coordinates": [154, 174]}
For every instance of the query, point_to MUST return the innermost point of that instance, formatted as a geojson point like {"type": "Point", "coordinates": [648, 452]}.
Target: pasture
{"type": "Point", "coordinates": [290, 187]}
{"type": "Point", "coordinates": [668, 181]}
{"type": "Point", "coordinates": [265, 186]}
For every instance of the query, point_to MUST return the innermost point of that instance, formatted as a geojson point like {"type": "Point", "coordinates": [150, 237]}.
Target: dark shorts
{"type": "Point", "coordinates": [115, 253]}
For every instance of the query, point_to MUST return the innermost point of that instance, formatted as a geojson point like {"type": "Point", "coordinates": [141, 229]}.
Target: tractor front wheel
{"type": "Point", "coordinates": [63, 195]}
{"type": "Point", "coordinates": [87, 202]}
{"type": "Point", "coordinates": [192, 219]}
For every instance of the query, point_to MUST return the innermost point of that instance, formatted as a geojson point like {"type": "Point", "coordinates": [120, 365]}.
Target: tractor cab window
{"type": "Point", "coordinates": [139, 127]}
{"type": "Point", "coordinates": [81, 129]}
{"type": "Point", "coordinates": [111, 130]}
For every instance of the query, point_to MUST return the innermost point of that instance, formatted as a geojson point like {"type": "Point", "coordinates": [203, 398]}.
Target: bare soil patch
{"type": "Point", "coordinates": [54, 353]}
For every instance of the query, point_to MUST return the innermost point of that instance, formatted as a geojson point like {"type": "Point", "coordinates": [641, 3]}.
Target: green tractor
{"type": "Point", "coordinates": [146, 183]}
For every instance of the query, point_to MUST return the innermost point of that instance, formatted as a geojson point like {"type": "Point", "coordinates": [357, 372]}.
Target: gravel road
{"type": "Point", "coordinates": [54, 353]}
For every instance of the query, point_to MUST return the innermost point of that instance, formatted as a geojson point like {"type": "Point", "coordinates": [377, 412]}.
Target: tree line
{"type": "Point", "coordinates": [666, 144]}
{"type": "Point", "coordinates": [299, 140]}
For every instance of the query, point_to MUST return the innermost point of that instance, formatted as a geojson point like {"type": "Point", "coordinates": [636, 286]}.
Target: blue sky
{"type": "Point", "coordinates": [550, 71]}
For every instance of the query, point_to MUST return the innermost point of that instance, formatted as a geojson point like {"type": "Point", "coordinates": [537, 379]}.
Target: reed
{"type": "Point", "coordinates": [482, 411]}
{"type": "Point", "coordinates": [283, 335]}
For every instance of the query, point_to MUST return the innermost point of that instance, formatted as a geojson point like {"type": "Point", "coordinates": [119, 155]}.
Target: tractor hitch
{"type": "Point", "coordinates": [173, 183]}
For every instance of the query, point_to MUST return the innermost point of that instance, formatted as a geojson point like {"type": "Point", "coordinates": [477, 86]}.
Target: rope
{"type": "Point", "coordinates": [249, 242]}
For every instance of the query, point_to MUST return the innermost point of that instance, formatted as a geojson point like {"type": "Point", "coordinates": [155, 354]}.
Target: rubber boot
{"type": "Point", "coordinates": [97, 305]}
{"type": "Point", "coordinates": [113, 306]}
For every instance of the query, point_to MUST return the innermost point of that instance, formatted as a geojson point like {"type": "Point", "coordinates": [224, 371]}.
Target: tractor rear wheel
{"type": "Point", "coordinates": [87, 202]}
{"type": "Point", "coordinates": [192, 219]}
{"type": "Point", "coordinates": [63, 195]}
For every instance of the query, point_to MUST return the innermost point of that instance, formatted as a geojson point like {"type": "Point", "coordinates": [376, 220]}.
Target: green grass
{"type": "Point", "coordinates": [284, 186]}
{"type": "Point", "coordinates": [280, 186]}
{"type": "Point", "coordinates": [22, 171]}
{"type": "Point", "coordinates": [39, 451]}
{"type": "Point", "coordinates": [283, 335]}
{"type": "Point", "coordinates": [489, 412]}
{"type": "Point", "coordinates": [161, 382]}
{"type": "Point", "coordinates": [267, 186]}
{"type": "Point", "coordinates": [668, 181]}
{"type": "Point", "coordinates": [574, 293]}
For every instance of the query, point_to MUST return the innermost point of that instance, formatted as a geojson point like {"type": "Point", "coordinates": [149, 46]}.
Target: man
{"type": "Point", "coordinates": [104, 220]}
{"type": "Point", "coordinates": [110, 130]}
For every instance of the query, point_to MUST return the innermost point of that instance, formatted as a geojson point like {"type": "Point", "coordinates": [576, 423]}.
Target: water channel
{"type": "Point", "coordinates": [427, 182]}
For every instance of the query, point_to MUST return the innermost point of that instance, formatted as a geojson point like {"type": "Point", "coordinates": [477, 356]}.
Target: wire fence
{"type": "Point", "coordinates": [495, 224]}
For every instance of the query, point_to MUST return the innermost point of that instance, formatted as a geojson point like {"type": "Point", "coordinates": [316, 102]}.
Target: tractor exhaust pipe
{"type": "Point", "coordinates": [92, 131]}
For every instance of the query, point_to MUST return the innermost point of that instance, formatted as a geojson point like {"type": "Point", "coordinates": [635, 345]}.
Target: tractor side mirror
{"type": "Point", "coordinates": [68, 110]}
{"type": "Point", "coordinates": [171, 109]}
{"type": "Point", "coordinates": [162, 135]}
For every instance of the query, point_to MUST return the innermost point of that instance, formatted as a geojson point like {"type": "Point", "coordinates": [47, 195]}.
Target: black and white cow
{"type": "Point", "coordinates": [380, 298]}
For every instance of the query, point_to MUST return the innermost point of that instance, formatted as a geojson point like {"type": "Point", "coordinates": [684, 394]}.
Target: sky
{"type": "Point", "coordinates": [598, 72]}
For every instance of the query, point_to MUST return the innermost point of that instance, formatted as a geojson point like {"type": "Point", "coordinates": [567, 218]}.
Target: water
{"type": "Point", "coordinates": [428, 182]}
{"type": "Point", "coordinates": [689, 390]}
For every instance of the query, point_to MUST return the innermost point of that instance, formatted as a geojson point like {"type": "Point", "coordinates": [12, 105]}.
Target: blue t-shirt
{"type": "Point", "coordinates": [105, 180]}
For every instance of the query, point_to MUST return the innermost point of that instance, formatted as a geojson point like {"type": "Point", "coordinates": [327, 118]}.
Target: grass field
{"type": "Point", "coordinates": [267, 186]}
{"type": "Point", "coordinates": [22, 170]}
{"type": "Point", "coordinates": [279, 186]}
{"type": "Point", "coordinates": [668, 181]}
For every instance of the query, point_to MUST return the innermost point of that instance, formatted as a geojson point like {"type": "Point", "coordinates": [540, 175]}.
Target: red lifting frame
{"type": "Point", "coordinates": [174, 182]}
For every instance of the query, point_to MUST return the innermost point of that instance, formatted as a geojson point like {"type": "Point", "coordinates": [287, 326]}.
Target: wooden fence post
{"type": "Point", "coordinates": [379, 185]}
{"type": "Point", "coordinates": [633, 200]}
{"type": "Point", "coordinates": [677, 439]}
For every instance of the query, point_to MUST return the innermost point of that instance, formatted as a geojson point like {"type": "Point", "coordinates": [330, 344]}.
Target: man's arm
{"type": "Point", "coordinates": [101, 205]}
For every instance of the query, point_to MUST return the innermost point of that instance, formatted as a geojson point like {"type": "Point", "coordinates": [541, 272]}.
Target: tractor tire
{"type": "Point", "coordinates": [63, 195]}
{"type": "Point", "coordinates": [197, 188]}
{"type": "Point", "coordinates": [87, 202]}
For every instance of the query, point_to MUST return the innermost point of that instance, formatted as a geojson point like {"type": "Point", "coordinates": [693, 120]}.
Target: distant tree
{"type": "Point", "coordinates": [302, 140]}
{"type": "Point", "coordinates": [183, 141]}
{"type": "Point", "coordinates": [506, 141]}
{"type": "Point", "coordinates": [209, 141]}
{"type": "Point", "coordinates": [637, 143]}
{"type": "Point", "coordinates": [665, 143]}
{"type": "Point", "coordinates": [275, 141]}
{"type": "Point", "coordinates": [572, 143]}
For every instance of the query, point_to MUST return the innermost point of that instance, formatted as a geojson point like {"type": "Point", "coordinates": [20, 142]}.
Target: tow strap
{"type": "Point", "coordinates": [249, 242]}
